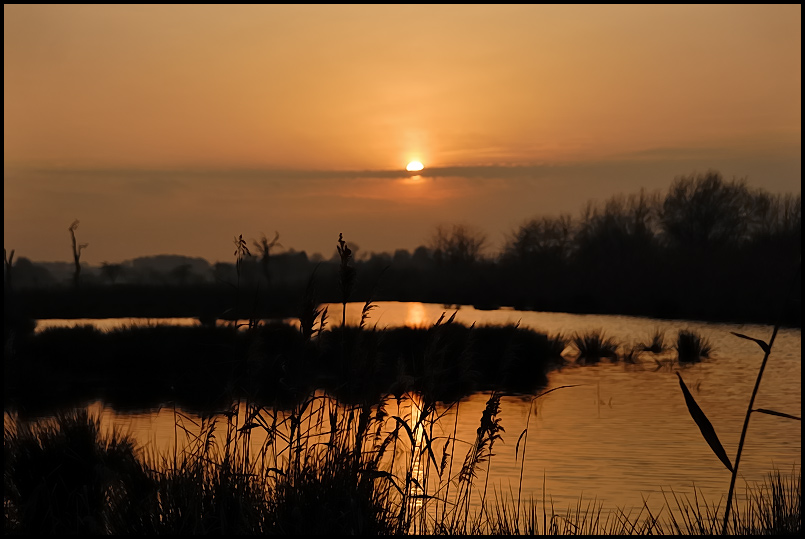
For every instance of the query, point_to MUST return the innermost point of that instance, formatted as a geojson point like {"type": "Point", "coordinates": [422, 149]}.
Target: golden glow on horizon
{"type": "Point", "coordinates": [416, 317]}
{"type": "Point", "coordinates": [414, 166]}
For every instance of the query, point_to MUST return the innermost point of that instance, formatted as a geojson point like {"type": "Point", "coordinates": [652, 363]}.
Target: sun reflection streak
{"type": "Point", "coordinates": [416, 490]}
{"type": "Point", "coordinates": [416, 316]}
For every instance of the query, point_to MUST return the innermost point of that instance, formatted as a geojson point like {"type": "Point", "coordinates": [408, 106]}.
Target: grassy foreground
{"type": "Point", "coordinates": [323, 467]}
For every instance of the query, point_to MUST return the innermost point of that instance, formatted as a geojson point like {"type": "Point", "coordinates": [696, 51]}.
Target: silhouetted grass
{"type": "Point", "coordinates": [655, 343]}
{"type": "Point", "coordinates": [64, 476]}
{"type": "Point", "coordinates": [593, 346]}
{"type": "Point", "coordinates": [690, 346]}
{"type": "Point", "coordinates": [322, 467]}
{"type": "Point", "coordinates": [272, 361]}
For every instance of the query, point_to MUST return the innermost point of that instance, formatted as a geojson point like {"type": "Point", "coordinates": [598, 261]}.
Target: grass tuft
{"type": "Point", "coordinates": [593, 346]}
{"type": "Point", "coordinates": [691, 346]}
{"type": "Point", "coordinates": [655, 343]}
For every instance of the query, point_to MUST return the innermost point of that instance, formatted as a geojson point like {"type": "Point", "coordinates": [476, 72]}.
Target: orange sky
{"type": "Point", "coordinates": [163, 128]}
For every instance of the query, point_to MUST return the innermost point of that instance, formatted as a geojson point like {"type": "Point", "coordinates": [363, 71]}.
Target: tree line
{"type": "Point", "coordinates": [706, 248]}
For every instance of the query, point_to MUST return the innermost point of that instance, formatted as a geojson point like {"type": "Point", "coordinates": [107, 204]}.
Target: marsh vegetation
{"type": "Point", "coordinates": [371, 452]}
{"type": "Point", "coordinates": [347, 414]}
{"type": "Point", "coordinates": [322, 467]}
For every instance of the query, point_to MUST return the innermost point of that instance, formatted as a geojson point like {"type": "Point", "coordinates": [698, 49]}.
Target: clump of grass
{"type": "Point", "coordinates": [63, 475]}
{"type": "Point", "coordinates": [557, 344]}
{"type": "Point", "coordinates": [771, 507]}
{"type": "Point", "coordinates": [593, 346]}
{"type": "Point", "coordinates": [774, 507]}
{"type": "Point", "coordinates": [632, 354]}
{"type": "Point", "coordinates": [655, 343]}
{"type": "Point", "coordinates": [691, 346]}
{"type": "Point", "coordinates": [210, 483]}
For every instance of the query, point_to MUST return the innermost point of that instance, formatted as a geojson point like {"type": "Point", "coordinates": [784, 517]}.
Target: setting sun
{"type": "Point", "coordinates": [414, 166]}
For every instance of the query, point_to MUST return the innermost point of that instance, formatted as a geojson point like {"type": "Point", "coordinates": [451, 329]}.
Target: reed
{"type": "Point", "coordinates": [346, 275]}
{"type": "Point", "coordinates": [706, 428]}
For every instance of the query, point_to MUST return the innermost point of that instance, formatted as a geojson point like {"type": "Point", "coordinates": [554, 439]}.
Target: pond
{"type": "Point", "coordinates": [619, 435]}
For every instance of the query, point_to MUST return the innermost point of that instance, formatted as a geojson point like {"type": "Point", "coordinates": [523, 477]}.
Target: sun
{"type": "Point", "coordinates": [414, 166]}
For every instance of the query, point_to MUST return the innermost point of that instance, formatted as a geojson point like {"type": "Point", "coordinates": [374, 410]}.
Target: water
{"type": "Point", "coordinates": [622, 435]}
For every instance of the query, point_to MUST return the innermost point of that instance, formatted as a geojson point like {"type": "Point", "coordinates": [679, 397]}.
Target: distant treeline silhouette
{"type": "Point", "coordinates": [706, 249]}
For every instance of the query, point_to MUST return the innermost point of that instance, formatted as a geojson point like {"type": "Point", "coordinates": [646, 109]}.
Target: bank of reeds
{"type": "Point", "coordinates": [322, 467]}
{"type": "Point", "coordinates": [273, 361]}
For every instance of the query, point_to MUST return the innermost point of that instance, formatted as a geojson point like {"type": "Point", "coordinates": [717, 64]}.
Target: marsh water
{"type": "Point", "coordinates": [620, 436]}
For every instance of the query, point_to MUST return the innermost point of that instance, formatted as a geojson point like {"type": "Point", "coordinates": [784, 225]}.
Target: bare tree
{"type": "Point", "coordinates": [623, 227]}
{"type": "Point", "coordinates": [540, 239]}
{"type": "Point", "coordinates": [704, 211]}
{"type": "Point", "coordinates": [775, 215]}
{"type": "Point", "coordinates": [459, 244]}
{"type": "Point", "coordinates": [76, 253]}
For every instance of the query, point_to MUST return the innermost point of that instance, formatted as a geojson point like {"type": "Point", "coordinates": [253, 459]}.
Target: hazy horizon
{"type": "Point", "coordinates": [173, 129]}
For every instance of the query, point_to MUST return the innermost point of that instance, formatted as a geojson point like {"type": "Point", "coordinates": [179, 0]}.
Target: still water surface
{"type": "Point", "coordinates": [622, 435]}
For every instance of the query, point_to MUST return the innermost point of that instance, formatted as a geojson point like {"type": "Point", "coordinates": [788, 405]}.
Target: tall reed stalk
{"type": "Point", "coordinates": [706, 427]}
{"type": "Point", "coordinates": [346, 275]}
{"type": "Point", "coordinates": [750, 408]}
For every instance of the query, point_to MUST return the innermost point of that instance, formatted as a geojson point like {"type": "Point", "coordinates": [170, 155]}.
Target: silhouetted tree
{"type": "Point", "coordinates": [540, 240]}
{"type": "Point", "coordinates": [27, 274]}
{"type": "Point", "coordinates": [458, 245]}
{"type": "Point", "coordinates": [621, 230]}
{"type": "Point", "coordinates": [401, 257]}
{"type": "Point", "coordinates": [181, 274]}
{"type": "Point", "coordinates": [76, 253]}
{"type": "Point", "coordinates": [223, 272]}
{"type": "Point", "coordinates": [111, 272]}
{"type": "Point", "coordinates": [775, 217]}
{"type": "Point", "coordinates": [704, 212]}
{"type": "Point", "coordinates": [422, 257]}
